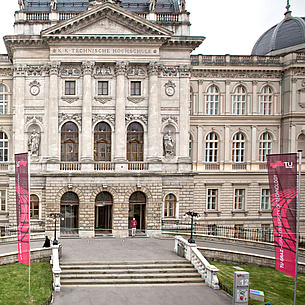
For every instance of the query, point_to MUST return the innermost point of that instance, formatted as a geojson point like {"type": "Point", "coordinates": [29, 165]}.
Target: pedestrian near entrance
{"type": "Point", "coordinates": [133, 227]}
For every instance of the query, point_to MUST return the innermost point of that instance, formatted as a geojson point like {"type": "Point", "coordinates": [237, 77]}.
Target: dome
{"type": "Point", "coordinates": [288, 33]}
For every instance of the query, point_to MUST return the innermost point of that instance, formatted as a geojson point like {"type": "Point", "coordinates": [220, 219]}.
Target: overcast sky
{"type": "Point", "coordinates": [230, 26]}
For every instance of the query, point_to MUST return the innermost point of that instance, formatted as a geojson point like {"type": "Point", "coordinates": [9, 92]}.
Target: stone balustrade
{"type": "Point", "coordinates": [207, 271]}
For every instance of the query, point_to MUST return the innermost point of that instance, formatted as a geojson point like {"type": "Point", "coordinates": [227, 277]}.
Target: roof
{"type": "Point", "coordinates": [78, 6]}
{"type": "Point", "coordinates": [288, 33]}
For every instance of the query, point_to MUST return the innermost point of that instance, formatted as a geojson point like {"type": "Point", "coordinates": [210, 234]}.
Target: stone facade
{"type": "Point", "coordinates": [133, 72]}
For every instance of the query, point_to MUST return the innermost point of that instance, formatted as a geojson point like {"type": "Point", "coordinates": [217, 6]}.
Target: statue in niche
{"type": "Point", "coordinates": [169, 145]}
{"type": "Point", "coordinates": [152, 5]}
{"type": "Point", "coordinates": [34, 143]}
{"type": "Point", "coordinates": [21, 4]}
{"type": "Point", "coordinates": [53, 5]}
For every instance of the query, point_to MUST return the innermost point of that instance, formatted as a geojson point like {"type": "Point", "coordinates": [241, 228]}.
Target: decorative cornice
{"type": "Point", "coordinates": [170, 71]}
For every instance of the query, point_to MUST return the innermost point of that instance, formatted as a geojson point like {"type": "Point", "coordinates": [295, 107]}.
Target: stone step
{"type": "Point", "coordinates": [77, 263]}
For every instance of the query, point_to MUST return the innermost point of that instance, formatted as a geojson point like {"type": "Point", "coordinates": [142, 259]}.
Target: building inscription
{"type": "Point", "coordinates": [105, 51]}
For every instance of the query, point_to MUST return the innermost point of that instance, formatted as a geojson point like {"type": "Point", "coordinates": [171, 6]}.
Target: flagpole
{"type": "Point", "coordinates": [29, 201]}
{"type": "Point", "coordinates": [297, 228]}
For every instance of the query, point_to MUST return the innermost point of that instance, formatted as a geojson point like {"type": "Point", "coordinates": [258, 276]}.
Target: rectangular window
{"type": "Point", "coordinates": [70, 86]}
{"type": "Point", "coordinates": [265, 199]}
{"type": "Point", "coordinates": [135, 88]}
{"type": "Point", "coordinates": [103, 88]}
{"type": "Point", "coordinates": [2, 200]}
{"type": "Point", "coordinates": [239, 199]}
{"type": "Point", "coordinates": [212, 199]}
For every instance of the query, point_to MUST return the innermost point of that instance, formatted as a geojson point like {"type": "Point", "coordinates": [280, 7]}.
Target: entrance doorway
{"type": "Point", "coordinates": [103, 213]}
{"type": "Point", "coordinates": [137, 210]}
{"type": "Point", "coordinates": [69, 209]}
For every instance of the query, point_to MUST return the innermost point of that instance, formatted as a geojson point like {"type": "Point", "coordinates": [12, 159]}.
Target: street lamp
{"type": "Point", "coordinates": [55, 216]}
{"type": "Point", "coordinates": [192, 215]}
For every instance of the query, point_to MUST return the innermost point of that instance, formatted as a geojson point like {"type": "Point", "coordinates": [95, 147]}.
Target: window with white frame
{"type": "Point", "coordinates": [3, 99]}
{"type": "Point", "coordinates": [3, 147]}
{"type": "Point", "coordinates": [239, 101]}
{"type": "Point", "coordinates": [211, 147]}
{"type": "Point", "coordinates": [212, 101]}
{"type": "Point", "coordinates": [170, 206]}
{"type": "Point", "coordinates": [239, 199]}
{"type": "Point", "coordinates": [266, 101]}
{"type": "Point", "coordinates": [212, 199]}
{"type": "Point", "coordinates": [265, 199]}
{"type": "Point", "coordinates": [2, 200]}
{"type": "Point", "coordinates": [265, 144]}
{"type": "Point", "coordinates": [238, 150]}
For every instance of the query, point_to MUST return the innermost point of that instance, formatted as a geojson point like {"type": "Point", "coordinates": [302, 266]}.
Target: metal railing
{"type": "Point", "coordinates": [12, 230]}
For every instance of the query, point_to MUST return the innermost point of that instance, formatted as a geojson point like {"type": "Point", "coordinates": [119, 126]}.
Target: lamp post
{"type": "Point", "coordinates": [55, 216]}
{"type": "Point", "coordinates": [192, 215]}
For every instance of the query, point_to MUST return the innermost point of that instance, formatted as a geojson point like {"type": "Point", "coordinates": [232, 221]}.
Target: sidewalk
{"type": "Point", "coordinates": [131, 249]}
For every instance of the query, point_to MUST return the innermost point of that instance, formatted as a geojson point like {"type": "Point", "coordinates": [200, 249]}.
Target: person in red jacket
{"type": "Point", "coordinates": [133, 227]}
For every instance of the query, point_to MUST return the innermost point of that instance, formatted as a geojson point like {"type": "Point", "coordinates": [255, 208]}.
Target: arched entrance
{"type": "Point", "coordinates": [69, 208]}
{"type": "Point", "coordinates": [137, 210]}
{"type": "Point", "coordinates": [103, 213]}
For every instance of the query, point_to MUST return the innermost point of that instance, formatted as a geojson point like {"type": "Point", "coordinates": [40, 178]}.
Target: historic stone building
{"type": "Point", "coordinates": [123, 122]}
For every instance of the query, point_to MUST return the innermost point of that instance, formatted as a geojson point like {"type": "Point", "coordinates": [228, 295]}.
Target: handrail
{"type": "Point", "coordinates": [207, 271]}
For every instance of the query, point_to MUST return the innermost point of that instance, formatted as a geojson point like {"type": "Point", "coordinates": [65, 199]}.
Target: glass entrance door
{"type": "Point", "coordinates": [137, 211]}
{"type": "Point", "coordinates": [103, 220]}
{"type": "Point", "coordinates": [69, 223]}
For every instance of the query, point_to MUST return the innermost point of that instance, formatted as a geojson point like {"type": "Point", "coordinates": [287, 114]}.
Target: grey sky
{"type": "Point", "coordinates": [230, 27]}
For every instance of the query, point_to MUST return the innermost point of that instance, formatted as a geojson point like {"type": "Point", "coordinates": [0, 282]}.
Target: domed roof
{"type": "Point", "coordinates": [288, 33]}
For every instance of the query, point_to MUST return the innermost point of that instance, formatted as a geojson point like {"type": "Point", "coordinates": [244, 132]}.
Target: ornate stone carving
{"type": "Point", "coordinates": [70, 71]}
{"type": "Point", "coordinates": [170, 88]}
{"type": "Point", "coordinates": [185, 70]}
{"type": "Point", "coordinates": [170, 119]}
{"type": "Point", "coordinates": [168, 145]}
{"type": "Point", "coordinates": [136, 100]}
{"type": "Point", "coordinates": [6, 72]}
{"type": "Point", "coordinates": [54, 67]}
{"type": "Point", "coordinates": [32, 70]}
{"type": "Point", "coordinates": [19, 70]}
{"type": "Point", "coordinates": [33, 119]}
{"type": "Point", "coordinates": [121, 67]}
{"type": "Point", "coordinates": [154, 68]}
{"type": "Point", "coordinates": [87, 67]}
{"type": "Point", "coordinates": [170, 70]}
{"type": "Point", "coordinates": [70, 100]}
{"type": "Point", "coordinates": [34, 142]}
{"type": "Point", "coordinates": [136, 71]}
{"type": "Point", "coordinates": [132, 117]}
{"type": "Point", "coordinates": [103, 70]}
{"type": "Point", "coordinates": [103, 100]}
{"type": "Point", "coordinates": [68, 117]}
{"type": "Point", "coordinates": [108, 117]}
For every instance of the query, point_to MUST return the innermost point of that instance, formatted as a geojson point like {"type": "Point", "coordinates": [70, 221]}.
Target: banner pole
{"type": "Point", "coordinates": [29, 201]}
{"type": "Point", "coordinates": [297, 228]}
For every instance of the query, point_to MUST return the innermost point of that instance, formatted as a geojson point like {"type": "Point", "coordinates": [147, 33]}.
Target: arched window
{"type": "Point", "coordinates": [102, 142]}
{"type": "Point", "coordinates": [170, 205]}
{"type": "Point", "coordinates": [266, 101]}
{"type": "Point", "coordinates": [238, 151]}
{"type": "Point", "coordinates": [135, 142]}
{"type": "Point", "coordinates": [69, 142]}
{"type": "Point", "coordinates": [3, 99]}
{"type": "Point", "coordinates": [3, 147]}
{"type": "Point", "coordinates": [265, 144]}
{"type": "Point", "coordinates": [34, 207]}
{"type": "Point", "coordinates": [211, 147]}
{"type": "Point", "coordinates": [212, 101]}
{"type": "Point", "coordinates": [239, 101]}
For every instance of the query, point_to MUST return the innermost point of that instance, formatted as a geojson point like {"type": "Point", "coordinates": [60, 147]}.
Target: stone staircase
{"type": "Point", "coordinates": [129, 273]}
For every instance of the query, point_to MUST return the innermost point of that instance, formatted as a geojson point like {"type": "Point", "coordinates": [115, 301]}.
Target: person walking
{"type": "Point", "coordinates": [133, 227]}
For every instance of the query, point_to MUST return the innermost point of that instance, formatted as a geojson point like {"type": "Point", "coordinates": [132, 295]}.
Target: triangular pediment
{"type": "Point", "coordinates": [104, 20]}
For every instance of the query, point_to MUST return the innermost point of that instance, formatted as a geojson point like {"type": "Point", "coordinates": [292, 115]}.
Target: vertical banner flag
{"type": "Point", "coordinates": [22, 206]}
{"type": "Point", "coordinates": [282, 172]}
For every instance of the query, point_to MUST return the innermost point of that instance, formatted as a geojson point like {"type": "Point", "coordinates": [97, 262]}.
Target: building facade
{"type": "Point", "coordinates": [122, 121]}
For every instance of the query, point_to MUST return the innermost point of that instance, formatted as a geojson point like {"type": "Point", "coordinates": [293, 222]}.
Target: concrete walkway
{"type": "Point", "coordinates": [131, 249]}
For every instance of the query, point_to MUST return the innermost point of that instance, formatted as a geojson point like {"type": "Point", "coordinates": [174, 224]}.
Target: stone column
{"type": "Point", "coordinates": [200, 157]}
{"type": "Point", "coordinates": [255, 106]}
{"type": "Point", "coordinates": [120, 134]}
{"type": "Point", "coordinates": [87, 134]}
{"type": "Point", "coordinates": [154, 134]}
{"type": "Point", "coordinates": [184, 126]}
{"type": "Point", "coordinates": [227, 148]}
{"type": "Point", "coordinates": [201, 98]}
{"type": "Point", "coordinates": [18, 122]}
{"type": "Point", "coordinates": [53, 132]}
{"type": "Point", "coordinates": [228, 102]}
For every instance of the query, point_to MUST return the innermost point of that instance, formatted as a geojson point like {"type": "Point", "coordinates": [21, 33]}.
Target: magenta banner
{"type": "Point", "coordinates": [282, 172]}
{"type": "Point", "coordinates": [22, 206]}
